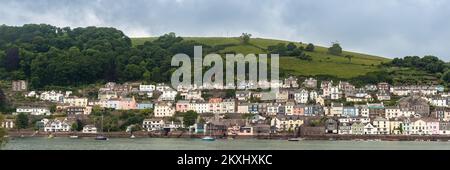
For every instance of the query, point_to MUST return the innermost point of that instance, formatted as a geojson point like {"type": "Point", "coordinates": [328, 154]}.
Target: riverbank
{"type": "Point", "coordinates": [16, 134]}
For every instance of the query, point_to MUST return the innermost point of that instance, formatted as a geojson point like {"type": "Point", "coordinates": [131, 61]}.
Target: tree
{"type": "Point", "coordinates": [22, 121]}
{"type": "Point", "coordinates": [245, 38]}
{"type": "Point", "coordinates": [291, 47]}
{"type": "Point", "coordinates": [335, 49]}
{"type": "Point", "coordinates": [349, 57]}
{"type": "Point", "coordinates": [53, 108]}
{"type": "Point", "coordinates": [446, 77]}
{"type": "Point", "coordinates": [12, 59]}
{"type": "Point", "coordinates": [74, 126]}
{"type": "Point", "coordinates": [2, 133]}
{"type": "Point", "coordinates": [189, 118]}
{"type": "Point", "coordinates": [230, 93]}
{"type": "Point", "coordinates": [310, 47]}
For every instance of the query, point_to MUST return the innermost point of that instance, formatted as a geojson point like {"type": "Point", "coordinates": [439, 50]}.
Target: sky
{"type": "Point", "coordinates": [389, 28]}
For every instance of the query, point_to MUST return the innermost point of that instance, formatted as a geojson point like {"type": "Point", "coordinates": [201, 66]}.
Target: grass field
{"type": "Point", "coordinates": [322, 63]}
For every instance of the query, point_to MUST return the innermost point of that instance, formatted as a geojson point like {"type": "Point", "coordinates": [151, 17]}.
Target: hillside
{"type": "Point", "coordinates": [322, 63]}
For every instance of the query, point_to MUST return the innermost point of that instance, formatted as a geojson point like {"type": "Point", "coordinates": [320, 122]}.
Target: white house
{"type": "Point", "coordinates": [153, 124]}
{"type": "Point", "coordinates": [164, 109]}
{"type": "Point", "coordinates": [52, 96]}
{"type": "Point", "coordinates": [57, 126]}
{"type": "Point", "coordinates": [168, 95]}
{"type": "Point", "coordinates": [89, 129]}
{"type": "Point", "coordinates": [37, 111]}
{"type": "Point", "coordinates": [382, 125]}
{"type": "Point", "coordinates": [301, 96]}
{"type": "Point", "coordinates": [8, 124]}
{"type": "Point", "coordinates": [75, 101]}
{"type": "Point", "coordinates": [369, 129]}
{"type": "Point", "coordinates": [147, 88]}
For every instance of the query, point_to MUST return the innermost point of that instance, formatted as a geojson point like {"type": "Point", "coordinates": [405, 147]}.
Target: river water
{"type": "Point", "coordinates": [198, 144]}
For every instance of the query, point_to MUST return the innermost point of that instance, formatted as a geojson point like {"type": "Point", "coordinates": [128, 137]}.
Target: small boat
{"type": "Point", "coordinates": [73, 137]}
{"type": "Point", "coordinates": [208, 138]}
{"type": "Point", "coordinates": [294, 139]}
{"type": "Point", "coordinates": [101, 138]}
{"type": "Point", "coordinates": [132, 136]}
{"type": "Point", "coordinates": [50, 136]}
{"type": "Point", "coordinates": [230, 138]}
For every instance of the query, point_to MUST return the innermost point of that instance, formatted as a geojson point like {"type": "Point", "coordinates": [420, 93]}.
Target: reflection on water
{"type": "Point", "coordinates": [198, 144]}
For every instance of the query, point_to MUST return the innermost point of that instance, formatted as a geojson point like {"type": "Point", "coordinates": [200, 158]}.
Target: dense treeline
{"type": "Point", "coordinates": [47, 55]}
{"type": "Point", "coordinates": [430, 64]}
{"type": "Point", "coordinates": [291, 50]}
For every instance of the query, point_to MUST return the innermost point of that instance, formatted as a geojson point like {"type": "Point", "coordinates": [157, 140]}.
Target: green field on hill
{"type": "Point", "coordinates": [322, 63]}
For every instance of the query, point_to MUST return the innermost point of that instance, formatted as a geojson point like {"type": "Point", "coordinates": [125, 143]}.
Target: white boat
{"type": "Point", "coordinates": [101, 137]}
{"type": "Point", "coordinates": [73, 137]}
{"type": "Point", "coordinates": [132, 136]}
{"type": "Point", "coordinates": [208, 138]}
{"type": "Point", "coordinates": [295, 139]}
{"type": "Point", "coordinates": [50, 136]}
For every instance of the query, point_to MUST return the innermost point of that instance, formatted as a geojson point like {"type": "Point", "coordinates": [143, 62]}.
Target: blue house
{"type": "Point", "coordinates": [142, 106]}
{"type": "Point", "coordinates": [350, 112]}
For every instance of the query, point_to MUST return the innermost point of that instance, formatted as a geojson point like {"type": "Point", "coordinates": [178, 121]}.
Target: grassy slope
{"type": "Point", "coordinates": [322, 63]}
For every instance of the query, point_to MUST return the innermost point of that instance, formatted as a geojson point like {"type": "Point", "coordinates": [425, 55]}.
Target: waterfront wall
{"type": "Point", "coordinates": [305, 136]}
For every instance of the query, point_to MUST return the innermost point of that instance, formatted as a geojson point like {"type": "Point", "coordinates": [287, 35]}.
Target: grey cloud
{"type": "Point", "coordinates": [392, 28]}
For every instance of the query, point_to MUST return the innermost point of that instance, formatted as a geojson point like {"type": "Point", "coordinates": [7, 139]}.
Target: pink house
{"type": "Point", "coordinates": [299, 110]}
{"type": "Point", "coordinates": [432, 125]}
{"type": "Point", "coordinates": [127, 104]}
{"type": "Point", "coordinates": [182, 106]}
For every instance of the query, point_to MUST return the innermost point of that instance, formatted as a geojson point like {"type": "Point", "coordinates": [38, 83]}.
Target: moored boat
{"type": "Point", "coordinates": [208, 138]}
{"type": "Point", "coordinates": [73, 137]}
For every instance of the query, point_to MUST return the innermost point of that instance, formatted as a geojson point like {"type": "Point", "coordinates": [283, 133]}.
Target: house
{"type": "Point", "coordinates": [147, 88]}
{"type": "Point", "coordinates": [243, 95]}
{"type": "Point", "coordinates": [441, 113]}
{"type": "Point", "coordinates": [363, 110]}
{"type": "Point", "coordinates": [326, 88]}
{"type": "Point", "coordinates": [182, 106]}
{"type": "Point", "coordinates": [199, 106]}
{"type": "Point", "coordinates": [310, 83]}
{"type": "Point", "coordinates": [331, 126]}
{"type": "Point", "coordinates": [89, 129]}
{"type": "Point", "coordinates": [286, 123]}
{"type": "Point", "coordinates": [301, 96]}
{"type": "Point", "coordinates": [382, 125]}
{"type": "Point", "coordinates": [383, 95]}
{"type": "Point", "coordinates": [395, 126]}
{"type": "Point", "coordinates": [36, 111]}
{"type": "Point", "coordinates": [76, 110]}
{"type": "Point", "coordinates": [349, 111]}
{"type": "Point", "coordinates": [421, 126]}
{"type": "Point", "coordinates": [369, 129]}
{"type": "Point", "coordinates": [357, 128]}
{"type": "Point", "coordinates": [228, 106]}
{"type": "Point", "coordinates": [290, 82]}
{"type": "Point", "coordinates": [314, 110]}
{"type": "Point", "coordinates": [289, 108]}
{"type": "Point", "coordinates": [75, 101]}
{"type": "Point", "coordinates": [383, 86]}
{"type": "Point", "coordinates": [57, 125]}
{"type": "Point", "coordinates": [336, 109]}
{"type": "Point", "coordinates": [345, 129]}
{"type": "Point", "coordinates": [370, 87]}
{"type": "Point", "coordinates": [240, 130]}
{"type": "Point", "coordinates": [439, 102]}
{"type": "Point", "coordinates": [376, 109]}
{"type": "Point", "coordinates": [444, 128]}
{"type": "Point", "coordinates": [106, 95]}
{"type": "Point", "coordinates": [153, 124]}
{"type": "Point", "coordinates": [243, 108]}
{"type": "Point", "coordinates": [144, 105]}
{"type": "Point", "coordinates": [164, 109]}
{"type": "Point", "coordinates": [19, 85]}
{"type": "Point", "coordinates": [52, 96]}
{"type": "Point", "coordinates": [392, 112]}
{"type": "Point", "coordinates": [299, 109]}
{"type": "Point", "coordinates": [335, 93]}
{"type": "Point", "coordinates": [8, 124]}
{"type": "Point", "coordinates": [193, 95]}
{"type": "Point", "coordinates": [282, 96]}
{"type": "Point", "coordinates": [168, 95]}
{"type": "Point", "coordinates": [346, 87]}
{"type": "Point", "coordinates": [257, 119]}
{"type": "Point", "coordinates": [415, 103]}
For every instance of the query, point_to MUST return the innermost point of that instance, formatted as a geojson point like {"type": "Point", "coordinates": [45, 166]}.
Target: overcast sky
{"type": "Point", "coordinates": [391, 28]}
